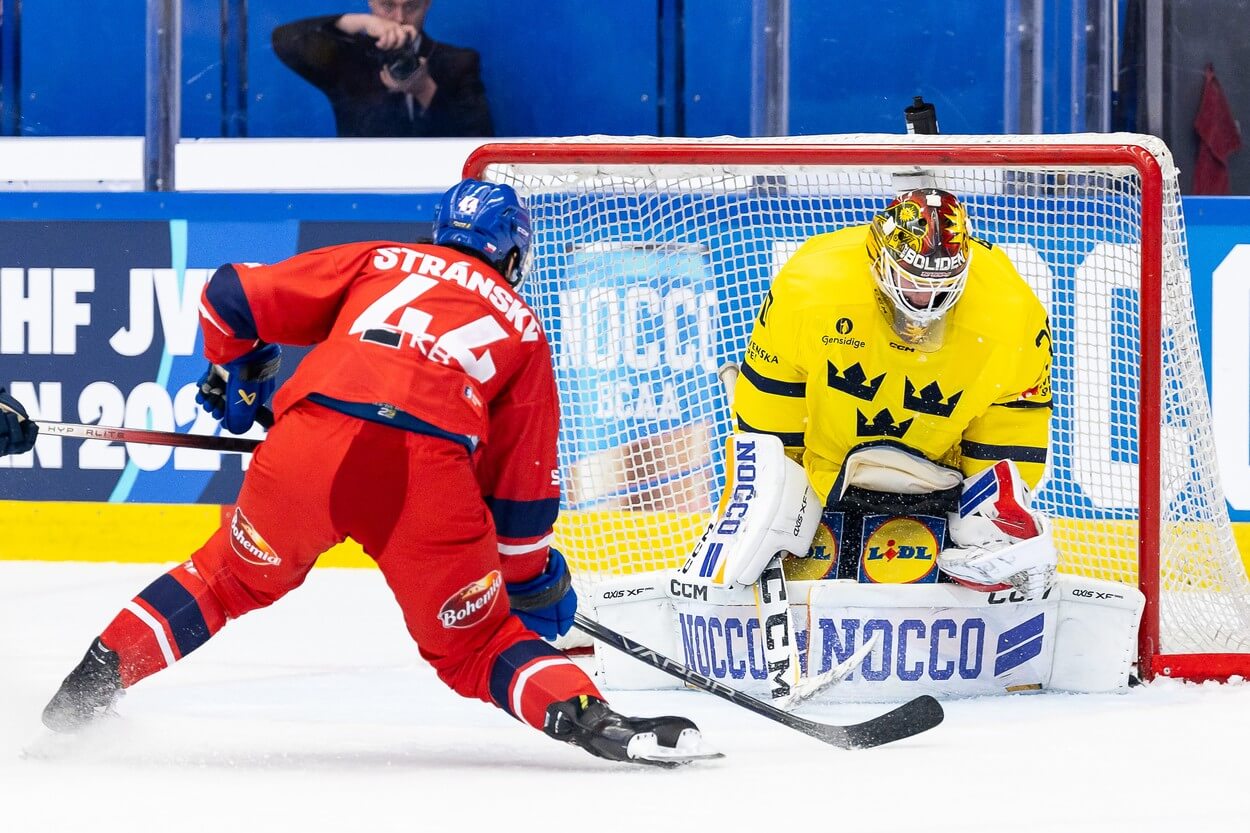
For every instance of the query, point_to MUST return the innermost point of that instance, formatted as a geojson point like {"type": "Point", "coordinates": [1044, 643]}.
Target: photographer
{"type": "Point", "coordinates": [384, 76]}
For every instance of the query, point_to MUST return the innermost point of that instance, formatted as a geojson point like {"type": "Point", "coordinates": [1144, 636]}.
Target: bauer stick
{"type": "Point", "coordinates": [74, 430]}
{"type": "Point", "coordinates": [911, 718]}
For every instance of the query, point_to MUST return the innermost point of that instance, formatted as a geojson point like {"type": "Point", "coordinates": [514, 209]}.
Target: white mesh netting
{"type": "Point", "coordinates": [647, 276]}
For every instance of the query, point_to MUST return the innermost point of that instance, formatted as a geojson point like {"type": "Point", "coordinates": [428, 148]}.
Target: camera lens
{"type": "Point", "coordinates": [404, 67]}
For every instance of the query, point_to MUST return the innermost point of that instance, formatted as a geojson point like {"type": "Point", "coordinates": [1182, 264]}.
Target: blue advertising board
{"type": "Point", "coordinates": [98, 301]}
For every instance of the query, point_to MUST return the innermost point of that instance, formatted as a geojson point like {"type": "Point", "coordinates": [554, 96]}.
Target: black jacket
{"type": "Point", "coordinates": [346, 69]}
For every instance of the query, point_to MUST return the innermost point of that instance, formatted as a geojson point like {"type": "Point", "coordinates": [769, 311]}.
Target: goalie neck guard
{"type": "Point", "coordinates": [919, 251]}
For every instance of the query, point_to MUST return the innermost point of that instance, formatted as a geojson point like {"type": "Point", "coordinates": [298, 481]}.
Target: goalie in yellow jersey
{"type": "Point", "coordinates": [907, 364]}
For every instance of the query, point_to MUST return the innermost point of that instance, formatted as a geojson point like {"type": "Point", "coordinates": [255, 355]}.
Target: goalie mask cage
{"type": "Point", "coordinates": [651, 259]}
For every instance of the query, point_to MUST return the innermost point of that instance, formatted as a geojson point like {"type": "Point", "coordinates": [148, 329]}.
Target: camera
{"type": "Point", "coordinates": [402, 64]}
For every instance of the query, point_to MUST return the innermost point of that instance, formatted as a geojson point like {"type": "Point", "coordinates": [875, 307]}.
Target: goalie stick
{"type": "Point", "coordinates": [800, 689]}
{"type": "Point", "coordinates": [911, 718]}
{"type": "Point", "coordinates": [147, 436]}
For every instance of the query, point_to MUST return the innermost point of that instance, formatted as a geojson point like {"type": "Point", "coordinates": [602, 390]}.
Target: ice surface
{"type": "Point", "coordinates": [318, 715]}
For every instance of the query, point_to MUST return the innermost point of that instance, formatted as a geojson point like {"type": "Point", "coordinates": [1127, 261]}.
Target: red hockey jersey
{"type": "Point", "coordinates": [427, 330]}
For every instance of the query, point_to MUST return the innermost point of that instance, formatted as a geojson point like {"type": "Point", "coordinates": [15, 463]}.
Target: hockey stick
{"type": "Point", "coordinates": [911, 718]}
{"type": "Point", "coordinates": [242, 445]}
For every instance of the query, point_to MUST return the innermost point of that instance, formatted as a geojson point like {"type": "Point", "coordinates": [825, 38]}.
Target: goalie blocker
{"type": "Point", "coordinates": [728, 614]}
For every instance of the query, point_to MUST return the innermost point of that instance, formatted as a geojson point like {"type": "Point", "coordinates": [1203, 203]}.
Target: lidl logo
{"type": "Point", "coordinates": [821, 561]}
{"type": "Point", "coordinates": [901, 550]}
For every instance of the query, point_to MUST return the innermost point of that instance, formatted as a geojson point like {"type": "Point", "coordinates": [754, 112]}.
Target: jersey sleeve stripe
{"type": "Point", "coordinates": [523, 518]}
{"type": "Point", "coordinates": [789, 438]}
{"type": "Point", "coordinates": [225, 293]}
{"type": "Point", "coordinates": [1017, 453]}
{"type": "Point", "coordinates": [207, 315]}
{"type": "Point", "coordinates": [774, 386]}
{"type": "Point", "coordinates": [522, 549]}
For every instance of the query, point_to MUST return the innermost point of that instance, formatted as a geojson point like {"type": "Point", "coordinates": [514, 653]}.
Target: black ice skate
{"type": "Point", "coordinates": [88, 692]}
{"type": "Point", "coordinates": [660, 741]}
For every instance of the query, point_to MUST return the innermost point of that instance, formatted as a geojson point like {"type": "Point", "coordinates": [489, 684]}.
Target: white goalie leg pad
{"type": "Point", "coordinates": [947, 640]}
{"type": "Point", "coordinates": [1096, 637]}
{"type": "Point", "coordinates": [767, 507]}
{"type": "Point", "coordinates": [636, 606]}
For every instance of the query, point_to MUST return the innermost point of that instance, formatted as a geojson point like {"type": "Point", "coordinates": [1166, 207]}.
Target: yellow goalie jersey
{"type": "Point", "coordinates": [826, 372]}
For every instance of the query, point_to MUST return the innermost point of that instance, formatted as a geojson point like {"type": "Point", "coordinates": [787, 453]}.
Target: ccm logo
{"type": "Point", "coordinates": [621, 594]}
{"type": "Point", "coordinates": [688, 591]}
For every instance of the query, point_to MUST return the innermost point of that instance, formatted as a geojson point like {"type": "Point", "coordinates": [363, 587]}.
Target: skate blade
{"type": "Point", "coordinates": [645, 748]}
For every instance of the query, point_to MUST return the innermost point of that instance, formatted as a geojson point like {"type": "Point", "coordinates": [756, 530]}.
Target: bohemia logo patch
{"type": "Point", "coordinates": [901, 550]}
{"type": "Point", "coordinates": [248, 544]}
{"type": "Point", "coordinates": [471, 603]}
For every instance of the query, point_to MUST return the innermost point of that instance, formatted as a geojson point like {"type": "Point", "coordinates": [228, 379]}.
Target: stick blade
{"type": "Point", "coordinates": [911, 718]}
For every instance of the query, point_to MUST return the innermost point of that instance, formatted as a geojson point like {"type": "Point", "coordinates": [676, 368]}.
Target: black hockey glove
{"type": "Point", "coordinates": [17, 430]}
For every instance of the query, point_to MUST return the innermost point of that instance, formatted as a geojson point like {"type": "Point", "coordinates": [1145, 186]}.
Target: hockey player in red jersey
{"type": "Point", "coordinates": [423, 425]}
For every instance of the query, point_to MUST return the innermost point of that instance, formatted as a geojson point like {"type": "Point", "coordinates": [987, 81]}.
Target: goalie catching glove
{"type": "Point", "coordinates": [1000, 543]}
{"type": "Point", "coordinates": [234, 392]}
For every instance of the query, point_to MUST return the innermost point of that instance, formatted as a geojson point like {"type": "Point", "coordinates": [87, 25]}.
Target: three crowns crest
{"type": "Point", "coordinates": [854, 381]}
{"type": "Point", "coordinates": [882, 425]}
{"type": "Point", "coordinates": [930, 400]}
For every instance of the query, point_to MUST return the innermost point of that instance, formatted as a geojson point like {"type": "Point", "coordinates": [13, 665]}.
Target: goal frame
{"type": "Point", "coordinates": [1151, 662]}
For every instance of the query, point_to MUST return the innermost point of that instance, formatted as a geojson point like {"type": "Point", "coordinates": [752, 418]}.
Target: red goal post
{"type": "Point", "coordinates": [1092, 221]}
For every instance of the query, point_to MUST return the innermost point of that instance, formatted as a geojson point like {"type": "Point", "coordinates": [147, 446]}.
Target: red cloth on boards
{"type": "Point", "coordinates": [1219, 137]}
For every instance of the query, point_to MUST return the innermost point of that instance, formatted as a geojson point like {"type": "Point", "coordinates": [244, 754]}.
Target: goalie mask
{"type": "Point", "coordinates": [919, 251]}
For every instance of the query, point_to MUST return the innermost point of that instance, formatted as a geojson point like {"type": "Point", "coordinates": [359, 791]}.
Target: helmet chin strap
{"type": "Point", "coordinates": [512, 269]}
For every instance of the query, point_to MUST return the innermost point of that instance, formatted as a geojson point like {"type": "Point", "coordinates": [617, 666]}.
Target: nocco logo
{"type": "Point", "coordinates": [248, 544]}
{"type": "Point", "coordinates": [638, 328]}
{"type": "Point", "coordinates": [739, 495]}
{"type": "Point", "coordinates": [470, 604]}
{"type": "Point", "coordinates": [900, 550]}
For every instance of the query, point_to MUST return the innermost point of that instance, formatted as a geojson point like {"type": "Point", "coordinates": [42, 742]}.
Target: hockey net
{"type": "Point", "coordinates": [650, 261]}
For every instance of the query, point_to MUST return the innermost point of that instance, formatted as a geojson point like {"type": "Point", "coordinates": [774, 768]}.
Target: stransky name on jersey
{"type": "Point", "coordinates": [498, 293]}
